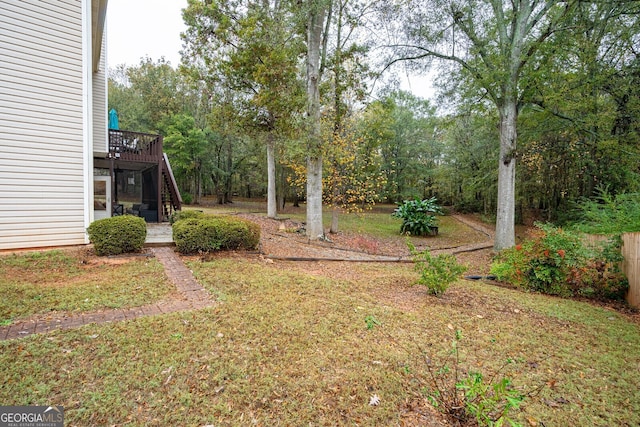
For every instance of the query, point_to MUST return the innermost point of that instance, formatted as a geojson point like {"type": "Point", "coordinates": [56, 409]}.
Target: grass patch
{"type": "Point", "coordinates": [290, 345]}
{"type": "Point", "coordinates": [37, 283]}
{"type": "Point", "coordinates": [379, 223]}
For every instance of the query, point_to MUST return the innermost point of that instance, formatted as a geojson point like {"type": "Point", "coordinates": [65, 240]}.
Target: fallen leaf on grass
{"type": "Point", "coordinates": [168, 379]}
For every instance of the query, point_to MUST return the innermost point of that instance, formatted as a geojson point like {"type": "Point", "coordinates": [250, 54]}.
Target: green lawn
{"type": "Point", "coordinates": [39, 283]}
{"type": "Point", "coordinates": [288, 344]}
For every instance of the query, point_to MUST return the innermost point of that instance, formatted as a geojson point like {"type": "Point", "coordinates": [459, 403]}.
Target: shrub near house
{"type": "Point", "coordinates": [207, 233]}
{"type": "Point", "coordinates": [118, 234]}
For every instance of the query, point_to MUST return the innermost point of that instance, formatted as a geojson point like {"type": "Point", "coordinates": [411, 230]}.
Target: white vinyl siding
{"type": "Point", "coordinates": [100, 142]}
{"type": "Point", "coordinates": [41, 124]}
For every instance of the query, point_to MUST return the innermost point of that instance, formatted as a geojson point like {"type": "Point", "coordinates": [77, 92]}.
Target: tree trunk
{"type": "Point", "coordinates": [334, 220]}
{"type": "Point", "coordinates": [315, 228]}
{"type": "Point", "coordinates": [314, 153]}
{"type": "Point", "coordinates": [505, 217]}
{"type": "Point", "coordinates": [198, 195]}
{"type": "Point", "coordinates": [228, 187]}
{"type": "Point", "coordinates": [271, 179]}
{"type": "Point", "coordinates": [281, 189]}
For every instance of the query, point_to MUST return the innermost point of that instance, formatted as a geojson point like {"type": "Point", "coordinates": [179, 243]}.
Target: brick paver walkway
{"type": "Point", "coordinates": [194, 297]}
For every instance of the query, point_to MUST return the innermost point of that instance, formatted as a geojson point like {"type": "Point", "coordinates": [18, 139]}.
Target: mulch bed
{"type": "Point", "coordinates": [285, 238]}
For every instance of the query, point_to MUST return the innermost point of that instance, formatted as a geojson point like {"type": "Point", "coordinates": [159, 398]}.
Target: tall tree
{"type": "Point", "coordinates": [353, 179]}
{"type": "Point", "coordinates": [161, 90]}
{"type": "Point", "coordinates": [316, 14]}
{"type": "Point", "coordinates": [492, 42]}
{"type": "Point", "coordinates": [466, 175]}
{"type": "Point", "coordinates": [251, 48]}
{"type": "Point", "coordinates": [345, 69]}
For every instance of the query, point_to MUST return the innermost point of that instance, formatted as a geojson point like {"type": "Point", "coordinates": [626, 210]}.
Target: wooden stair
{"type": "Point", "coordinates": [171, 199]}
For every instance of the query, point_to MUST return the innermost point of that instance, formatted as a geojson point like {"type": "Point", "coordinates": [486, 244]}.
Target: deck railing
{"type": "Point", "coordinates": [135, 146]}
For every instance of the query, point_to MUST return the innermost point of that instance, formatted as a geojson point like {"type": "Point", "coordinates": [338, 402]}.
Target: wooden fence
{"type": "Point", "coordinates": [630, 265]}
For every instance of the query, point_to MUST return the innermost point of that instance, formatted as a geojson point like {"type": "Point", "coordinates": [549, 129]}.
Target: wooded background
{"type": "Point", "coordinates": [561, 77]}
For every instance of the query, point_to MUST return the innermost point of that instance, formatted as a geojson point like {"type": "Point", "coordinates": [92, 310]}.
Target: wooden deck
{"type": "Point", "coordinates": [135, 146]}
{"type": "Point", "coordinates": [144, 152]}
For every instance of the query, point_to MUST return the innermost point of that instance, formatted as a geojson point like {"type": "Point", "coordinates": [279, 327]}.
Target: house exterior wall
{"type": "Point", "coordinates": [45, 94]}
{"type": "Point", "coordinates": [100, 114]}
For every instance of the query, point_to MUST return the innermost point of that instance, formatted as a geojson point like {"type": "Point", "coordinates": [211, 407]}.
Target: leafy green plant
{"type": "Point", "coordinates": [436, 272]}
{"type": "Point", "coordinates": [371, 322]}
{"type": "Point", "coordinates": [608, 214]}
{"type": "Point", "coordinates": [118, 234]}
{"type": "Point", "coordinates": [489, 403]}
{"type": "Point", "coordinates": [464, 394]}
{"type": "Point", "coordinates": [215, 232]}
{"type": "Point", "coordinates": [558, 262]}
{"type": "Point", "coordinates": [187, 198]}
{"type": "Point", "coordinates": [418, 216]}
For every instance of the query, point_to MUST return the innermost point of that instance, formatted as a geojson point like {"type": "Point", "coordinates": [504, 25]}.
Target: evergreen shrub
{"type": "Point", "coordinates": [209, 233]}
{"type": "Point", "coordinates": [187, 198]}
{"type": "Point", "coordinates": [178, 215]}
{"type": "Point", "coordinates": [118, 234]}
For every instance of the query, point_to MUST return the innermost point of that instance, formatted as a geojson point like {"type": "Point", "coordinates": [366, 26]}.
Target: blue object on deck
{"type": "Point", "coordinates": [113, 119]}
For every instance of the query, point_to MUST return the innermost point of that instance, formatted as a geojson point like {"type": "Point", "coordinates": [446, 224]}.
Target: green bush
{"type": "Point", "coordinates": [118, 234]}
{"type": "Point", "coordinates": [209, 233]}
{"type": "Point", "coordinates": [557, 262]}
{"type": "Point", "coordinates": [436, 272]}
{"type": "Point", "coordinates": [464, 395]}
{"type": "Point", "coordinates": [608, 214]}
{"type": "Point", "coordinates": [187, 198]}
{"type": "Point", "coordinates": [418, 216]}
{"type": "Point", "coordinates": [178, 215]}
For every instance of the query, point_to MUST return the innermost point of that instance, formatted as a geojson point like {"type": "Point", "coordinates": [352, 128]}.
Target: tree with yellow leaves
{"type": "Point", "coordinates": [353, 179]}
